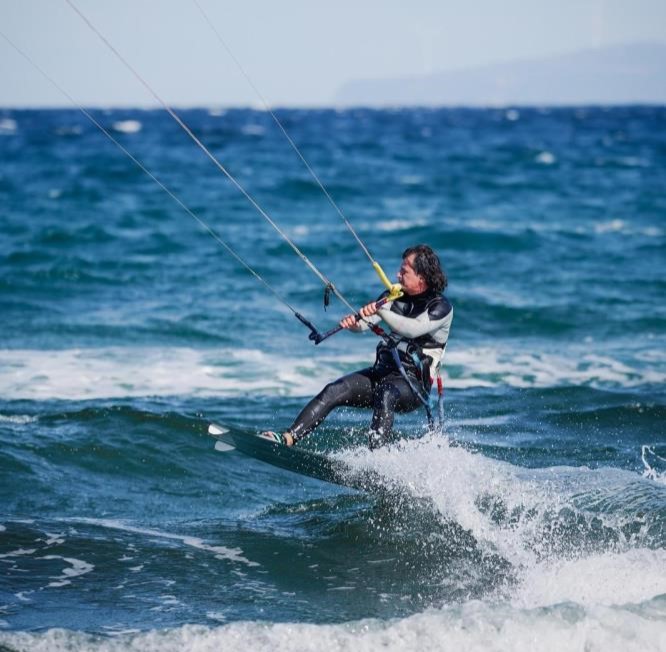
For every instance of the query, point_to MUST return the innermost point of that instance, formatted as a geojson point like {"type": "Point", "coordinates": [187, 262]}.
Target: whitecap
{"type": "Point", "coordinates": [75, 130]}
{"type": "Point", "coordinates": [301, 230]}
{"type": "Point", "coordinates": [20, 552]}
{"type": "Point", "coordinates": [389, 226]}
{"type": "Point", "coordinates": [54, 539]}
{"type": "Point", "coordinates": [8, 126]}
{"type": "Point", "coordinates": [545, 158]}
{"type": "Point", "coordinates": [76, 568]}
{"type": "Point", "coordinates": [127, 126]}
{"type": "Point", "coordinates": [512, 115]}
{"type": "Point", "coordinates": [19, 419]}
{"type": "Point", "coordinates": [634, 162]}
{"type": "Point", "coordinates": [411, 180]}
{"type": "Point", "coordinates": [252, 130]}
{"type": "Point", "coordinates": [220, 552]}
{"type": "Point", "coordinates": [612, 226]}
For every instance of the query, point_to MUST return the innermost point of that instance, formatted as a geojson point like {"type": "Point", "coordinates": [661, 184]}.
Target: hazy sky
{"type": "Point", "coordinates": [298, 52]}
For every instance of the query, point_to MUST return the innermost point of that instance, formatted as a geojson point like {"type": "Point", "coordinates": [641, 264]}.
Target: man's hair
{"type": "Point", "coordinates": [426, 264]}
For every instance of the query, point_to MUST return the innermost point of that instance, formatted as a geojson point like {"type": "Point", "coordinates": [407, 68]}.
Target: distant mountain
{"type": "Point", "coordinates": [620, 74]}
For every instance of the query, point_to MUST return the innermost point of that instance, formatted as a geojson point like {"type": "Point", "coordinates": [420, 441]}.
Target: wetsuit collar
{"type": "Point", "coordinates": [426, 294]}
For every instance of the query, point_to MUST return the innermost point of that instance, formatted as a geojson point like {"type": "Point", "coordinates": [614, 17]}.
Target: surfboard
{"type": "Point", "coordinates": [294, 459]}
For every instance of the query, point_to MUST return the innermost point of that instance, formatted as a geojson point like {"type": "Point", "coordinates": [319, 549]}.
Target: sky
{"type": "Point", "coordinates": [296, 52]}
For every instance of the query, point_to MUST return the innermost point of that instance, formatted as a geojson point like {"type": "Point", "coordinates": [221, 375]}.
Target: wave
{"type": "Point", "coordinates": [116, 372]}
{"type": "Point", "coordinates": [497, 628]}
{"type": "Point", "coordinates": [584, 549]}
{"type": "Point", "coordinates": [529, 516]}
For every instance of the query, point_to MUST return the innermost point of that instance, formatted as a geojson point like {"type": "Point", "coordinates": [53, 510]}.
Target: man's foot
{"type": "Point", "coordinates": [275, 437]}
{"type": "Point", "coordinates": [286, 439]}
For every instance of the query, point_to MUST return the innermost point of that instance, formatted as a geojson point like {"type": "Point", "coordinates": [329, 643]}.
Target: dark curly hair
{"type": "Point", "coordinates": [426, 264]}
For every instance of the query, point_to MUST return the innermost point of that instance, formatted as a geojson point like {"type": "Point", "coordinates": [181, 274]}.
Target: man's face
{"type": "Point", "coordinates": [411, 282]}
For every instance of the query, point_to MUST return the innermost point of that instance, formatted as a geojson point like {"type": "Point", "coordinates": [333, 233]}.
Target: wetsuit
{"type": "Point", "coordinates": [419, 330]}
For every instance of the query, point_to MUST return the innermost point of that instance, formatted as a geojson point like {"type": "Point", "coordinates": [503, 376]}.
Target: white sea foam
{"type": "Point", "coordinates": [19, 419]}
{"type": "Point", "coordinates": [611, 226]}
{"type": "Point", "coordinates": [655, 465]}
{"type": "Point", "coordinates": [388, 226]}
{"type": "Point", "coordinates": [115, 372]}
{"type": "Point", "coordinates": [54, 539]}
{"type": "Point", "coordinates": [490, 367]}
{"type": "Point", "coordinates": [630, 577]}
{"type": "Point", "coordinates": [474, 627]}
{"type": "Point", "coordinates": [19, 552]}
{"type": "Point", "coordinates": [220, 552]}
{"type": "Point", "coordinates": [127, 126]}
{"type": "Point", "coordinates": [76, 568]}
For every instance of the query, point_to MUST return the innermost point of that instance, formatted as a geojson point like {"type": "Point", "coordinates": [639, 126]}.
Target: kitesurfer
{"type": "Point", "coordinates": [419, 323]}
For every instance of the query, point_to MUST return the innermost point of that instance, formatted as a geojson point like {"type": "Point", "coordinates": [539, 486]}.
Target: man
{"type": "Point", "coordinates": [419, 321]}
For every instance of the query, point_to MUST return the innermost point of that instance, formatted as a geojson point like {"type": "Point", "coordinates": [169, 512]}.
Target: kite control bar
{"type": "Point", "coordinates": [318, 337]}
{"type": "Point", "coordinates": [394, 292]}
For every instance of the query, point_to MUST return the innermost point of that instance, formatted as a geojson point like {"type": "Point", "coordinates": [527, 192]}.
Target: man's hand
{"type": "Point", "coordinates": [348, 321]}
{"type": "Point", "coordinates": [369, 310]}
{"type": "Point", "coordinates": [365, 311]}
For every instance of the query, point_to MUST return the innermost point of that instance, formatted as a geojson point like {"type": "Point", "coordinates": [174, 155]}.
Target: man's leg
{"type": "Point", "coordinates": [354, 390]}
{"type": "Point", "coordinates": [391, 394]}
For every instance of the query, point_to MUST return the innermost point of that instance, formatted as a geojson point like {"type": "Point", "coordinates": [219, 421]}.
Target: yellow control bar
{"type": "Point", "coordinates": [395, 289]}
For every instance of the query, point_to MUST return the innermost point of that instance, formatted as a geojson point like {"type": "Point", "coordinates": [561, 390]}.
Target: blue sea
{"type": "Point", "coordinates": [535, 519]}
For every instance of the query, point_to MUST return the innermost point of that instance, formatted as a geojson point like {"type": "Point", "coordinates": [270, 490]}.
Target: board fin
{"type": "Point", "coordinates": [215, 429]}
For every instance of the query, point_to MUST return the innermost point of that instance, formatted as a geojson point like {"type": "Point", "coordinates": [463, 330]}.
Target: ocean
{"type": "Point", "coordinates": [536, 519]}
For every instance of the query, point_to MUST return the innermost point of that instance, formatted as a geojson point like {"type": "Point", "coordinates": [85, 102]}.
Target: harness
{"type": "Point", "coordinates": [420, 392]}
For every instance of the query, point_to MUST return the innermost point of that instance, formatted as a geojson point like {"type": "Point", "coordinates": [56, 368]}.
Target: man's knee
{"type": "Point", "coordinates": [331, 392]}
{"type": "Point", "coordinates": [386, 395]}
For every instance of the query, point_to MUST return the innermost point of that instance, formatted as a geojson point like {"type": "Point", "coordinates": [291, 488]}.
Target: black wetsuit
{"type": "Point", "coordinates": [419, 329]}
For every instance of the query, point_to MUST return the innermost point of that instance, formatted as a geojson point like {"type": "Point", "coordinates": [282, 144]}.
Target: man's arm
{"type": "Point", "coordinates": [413, 327]}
